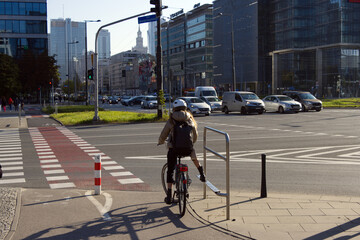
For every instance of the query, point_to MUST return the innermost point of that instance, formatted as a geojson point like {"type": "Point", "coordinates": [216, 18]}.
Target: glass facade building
{"type": "Point", "coordinates": [281, 45]}
{"type": "Point", "coordinates": [316, 46]}
{"type": "Point", "coordinates": [187, 51]}
{"type": "Point", "coordinates": [23, 26]}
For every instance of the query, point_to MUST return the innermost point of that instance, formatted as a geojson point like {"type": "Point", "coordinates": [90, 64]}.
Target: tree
{"type": "Point", "coordinates": [9, 73]}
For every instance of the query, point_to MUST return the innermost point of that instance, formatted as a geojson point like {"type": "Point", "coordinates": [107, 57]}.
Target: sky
{"type": "Point", "coordinates": [123, 35]}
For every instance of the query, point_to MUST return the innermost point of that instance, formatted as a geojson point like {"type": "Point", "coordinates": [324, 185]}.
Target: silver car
{"type": "Point", "coordinates": [149, 102]}
{"type": "Point", "coordinates": [281, 104]}
{"type": "Point", "coordinates": [213, 102]}
{"type": "Point", "coordinates": [196, 105]}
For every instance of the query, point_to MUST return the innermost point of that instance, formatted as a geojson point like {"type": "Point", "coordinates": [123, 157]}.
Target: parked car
{"type": "Point", "coordinates": [205, 91]}
{"type": "Point", "coordinates": [132, 101]}
{"type": "Point", "coordinates": [213, 102]}
{"type": "Point", "coordinates": [307, 100]}
{"type": "Point", "coordinates": [112, 100]}
{"type": "Point", "coordinates": [243, 102]}
{"type": "Point", "coordinates": [168, 97]}
{"type": "Point", "coordinates": [196, 105]}
{"type": "Point", "coordinates": [281, 104]}
{"type": "Point", "coordinates": [123, 98]}
{"type": "Point", "coordinates": [149, 102]}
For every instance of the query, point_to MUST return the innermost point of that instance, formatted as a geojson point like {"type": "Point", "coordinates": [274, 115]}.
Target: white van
{"type": "Point", "coordinates": [243, 102]}
{"type": "Point", "coordinates": [205, 91]}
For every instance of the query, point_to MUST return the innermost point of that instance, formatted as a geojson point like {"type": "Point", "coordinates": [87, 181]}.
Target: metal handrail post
{"type": "Point", "coordinates": [227, 159]}
{"type": "Point", "coordinates": [204, 144]}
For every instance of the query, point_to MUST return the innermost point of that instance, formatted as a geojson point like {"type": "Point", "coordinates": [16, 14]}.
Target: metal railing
{"type": "Point", "coordinates": [227, 160]}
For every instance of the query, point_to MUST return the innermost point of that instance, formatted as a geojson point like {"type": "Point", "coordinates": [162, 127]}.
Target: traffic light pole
{"type": "Point", "coordinates": [96, 117]}
{"type": "Point", "coordinates": [158, 69]}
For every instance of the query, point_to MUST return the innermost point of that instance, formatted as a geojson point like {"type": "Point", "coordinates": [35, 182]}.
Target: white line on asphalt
{"type": "Point", "coordinates": [12, 174]}
{"type": "Point", "coordinates": [62, 185]}
{"type": "Point", "coordinates": [9, 151]}
{"type": "Point", "coordinates": [10, 159]}
{"type": "Point", "coordinates": [16, 180]}
{"type": "Point", "coordinates": [57, 178]}
{"type": "Point", "coordinates": [43, 149]}
{"type": "Point", "coordinates": [46, 172]}
{"type": "Point", "coordinates": [49, 161]}
{"type": "Point", "coordinates": [13, 168]}
{"type": "Point", "coordinates": [120, 174]}
{"type": "Point", "coordinates": [130, 180]}
{"type": "Point", "coordinates": [108, 162]}
{"type": "Point", "coordinates": [44, 153]}
{"type": "Point", "coordinates": [92, 150]}
{"type": "Point", "coordinates": [9, 148]}
{"type": "Point", "coordinates": [11, 155]}
{"type": "Point", "coordinates": [51, 166]}
{"type": "Point", "coordinates": [103, 210]}
{"type": "Point", "coordinates": [48, 156]}
{"type": "Point", "coordinates": [11, 163]}
{"type": "Point", "coordinates": [112, 167]}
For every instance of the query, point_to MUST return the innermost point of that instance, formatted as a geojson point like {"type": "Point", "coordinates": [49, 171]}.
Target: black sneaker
{"type": "Point", "coordinates": [167, 200]}
{"type": "Point", "coordinates": [202, 178]}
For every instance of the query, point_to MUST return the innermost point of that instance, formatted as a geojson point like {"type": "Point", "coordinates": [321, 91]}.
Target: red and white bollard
{"type": "Point", "coordinates": [97, 174]}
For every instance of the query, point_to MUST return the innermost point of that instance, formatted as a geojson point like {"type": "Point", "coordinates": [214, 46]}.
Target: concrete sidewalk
{"type": "Point", "coordinates": [279, 216]}
{"type": "Point", "coordinates": [11, 120]}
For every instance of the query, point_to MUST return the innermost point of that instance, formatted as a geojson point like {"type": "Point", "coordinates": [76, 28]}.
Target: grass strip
{"type": "Point", "coordinates": [341, 103]}
{"type": "Point", "coordinates": [86, 118]}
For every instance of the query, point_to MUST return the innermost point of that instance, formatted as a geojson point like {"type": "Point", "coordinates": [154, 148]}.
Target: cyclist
{"type": "Point", "coordinates": [179, 114]}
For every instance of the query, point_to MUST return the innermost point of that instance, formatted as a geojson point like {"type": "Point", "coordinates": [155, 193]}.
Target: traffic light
{"type": "Point", "coordinates": [50, 82]}
{"type": "Point", "coordinates": [157, 8]}
{"type": "Point", "coordinates": [90, 74]}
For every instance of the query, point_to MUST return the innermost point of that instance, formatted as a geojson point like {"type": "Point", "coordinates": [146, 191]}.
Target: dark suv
{"type": "Point", "coordinates": [307, 100]}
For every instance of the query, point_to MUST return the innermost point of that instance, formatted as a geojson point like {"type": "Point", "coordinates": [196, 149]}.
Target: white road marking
{"type": "Point", "coordinates": [108, 162]}
{"type": "Point", "coordinates": [62, 185]}
{"type": "Point", "coordinates": [12, 168]}
{"type": "Point", "coordinates": [51, 166]}
{"type": "Point", "coordinates": [57, 178]}
{"type": "Point", "coordinates": [15, 180]}
{"type": "Point", "coordinates": [120, 174]}
{"type": "Point", "coordinates": [12, 174]}
{"type": "Point", "coordinates": [103, 210]}
{"type": "Point", "coordinates": [130, 180]}
{"type": "Point", "coordinates": [49, 161]}
{"type": "Point", "coordinates": [58, 171]}
{"type": "Point", "coordinates": [112, 167]}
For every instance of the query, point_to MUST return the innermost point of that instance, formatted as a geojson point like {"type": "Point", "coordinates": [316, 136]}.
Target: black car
{"type": "Point", "coordinates": [113, 100]}
{"type": "Point", "coordinates": [133, 101]}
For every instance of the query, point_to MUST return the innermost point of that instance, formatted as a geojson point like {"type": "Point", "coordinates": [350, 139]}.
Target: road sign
{"type": "Point", "coordinates": [149, 18]}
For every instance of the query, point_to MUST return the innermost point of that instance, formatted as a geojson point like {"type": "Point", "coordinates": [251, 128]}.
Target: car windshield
{"type": "Point", "coordinates": [249, 96]}
{"type": "Point", "coordinates": [195, 100]}
{"type": "Point", "coordinates": [150, 98]}
{"type": "Point", "coordinates": [285, 98]}
{"type": "Point", "coordinates": [307, 96]}
{"type": "Point", "coordinates": [208, 93]}
{"type": "Point", "coordinates": [213, 99]}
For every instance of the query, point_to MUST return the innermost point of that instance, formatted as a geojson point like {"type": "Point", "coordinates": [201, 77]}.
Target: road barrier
{"type": "Point", "coordinates": [97, 172]}
{"type": "Point", "coordinates": [263, 193]}
{"type": "Point", "coordinates": [227, 160]}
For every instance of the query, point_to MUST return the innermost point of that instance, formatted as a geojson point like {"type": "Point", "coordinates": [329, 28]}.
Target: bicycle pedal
{"type": "Point", "coordinates": [187, 195]}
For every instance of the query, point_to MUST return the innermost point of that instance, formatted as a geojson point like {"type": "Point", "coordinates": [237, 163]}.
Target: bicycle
{"type": "Point", "coordinates": [182, 183]}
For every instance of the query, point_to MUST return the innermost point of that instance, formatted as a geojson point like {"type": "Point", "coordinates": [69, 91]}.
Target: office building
{"type": "Point", "coordinates": [67, 43]}
{"type": "Point", "coordinates": [187, 49]}
{"type": "Point", "coordinates": [284, 45]}
{"type": "Point", "coordinates": [151, 37]}
{"type": "Point", "coordinates": [23, 26]}
{"type": "Point", "coordinates": [104, 44]}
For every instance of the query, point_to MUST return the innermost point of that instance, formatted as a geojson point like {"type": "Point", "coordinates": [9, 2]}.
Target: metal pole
{"type": "Point", "coordinates": [233, 52]}
{"type": "Point", "coordinates": [227, 178]}
{"type": "Point", "coordinates": [19, 107]}
{"type": "Point", "coordinates": [159, 85]}
{"type": "Point", "coordinates": [68, 73]}
{"type": "Point", "coordinates": [86, 77]}
{"type": "Point", "coordinates": [96, 117]}
{"type": "Point", "coordinates": [263, 176]}
{"type": "Point", "coordinates": [204, 145]}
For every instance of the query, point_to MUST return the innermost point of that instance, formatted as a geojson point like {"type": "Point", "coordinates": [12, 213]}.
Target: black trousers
{"type": "Point", "coordinates": [171, 161]}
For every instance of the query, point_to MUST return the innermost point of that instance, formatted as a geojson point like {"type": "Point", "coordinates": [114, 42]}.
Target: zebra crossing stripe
{"type": "Point", "coordinates": [9, 181]}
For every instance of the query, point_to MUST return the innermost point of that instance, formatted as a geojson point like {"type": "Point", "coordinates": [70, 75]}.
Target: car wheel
{"type": "Point", "coordinates": [243, 111]}
{"type": "Point", "coordinates": [318, 110]}
{"type": "Point", "coordinates": [304, 109]}
{"type": "Point", "coordinates": [261, 111]}
{"type": "Point", "coordinates": [226, 110]}
{"type": "Point", "coordinates": [207, 114]}
{"type": "Point", "coordinates": [281, 109]}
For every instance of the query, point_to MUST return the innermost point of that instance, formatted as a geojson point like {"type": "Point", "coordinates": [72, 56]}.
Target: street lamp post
{"type": "Point", "coordinates": [86, 79]}
{"type": "Point", "coordinates": [232, 48]}
{"type": "Point", "coordinates": [96, 116]}
{"type": "Point", "coordinates": [74, 42]}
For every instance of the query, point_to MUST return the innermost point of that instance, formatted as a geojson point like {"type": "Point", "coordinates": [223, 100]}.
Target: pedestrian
{"type": "Point", "coordinates": [1, 173]}
{"type": "Point", "coordinates": [22, 104]}
{"type": "Point", "coordinates": [10, 102]}
{"type": "Point", "coordinates": [3, 103]}
{"type": "Point", "coordinates": [16, 103]}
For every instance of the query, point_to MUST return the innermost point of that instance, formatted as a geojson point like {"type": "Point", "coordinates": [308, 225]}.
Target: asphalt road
{"type": "Point", "coordinates": [308, 153]}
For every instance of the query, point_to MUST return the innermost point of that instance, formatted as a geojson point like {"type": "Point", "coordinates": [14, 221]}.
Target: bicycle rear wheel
{"type": "Point", "coordinates": [182, 191]}
{"type": "Point", "coordinates": [163, 177]}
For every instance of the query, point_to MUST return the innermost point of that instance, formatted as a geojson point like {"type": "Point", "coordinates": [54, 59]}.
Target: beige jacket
{"type": "Point", "coordinates": [167, 132]}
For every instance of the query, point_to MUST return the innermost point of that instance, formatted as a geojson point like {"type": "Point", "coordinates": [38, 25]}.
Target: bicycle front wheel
{"type": "Point", "coordinates": [182, 191]}
{"type": "Point", "coordinates": [163, 177]}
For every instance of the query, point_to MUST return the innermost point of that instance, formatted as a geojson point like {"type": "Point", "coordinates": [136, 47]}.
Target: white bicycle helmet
{"type": "Point", "coordinates": [179, 104]}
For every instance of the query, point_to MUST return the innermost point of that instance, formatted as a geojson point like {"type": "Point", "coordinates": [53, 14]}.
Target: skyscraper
{"type": "Point", "coordinates": [63, 33]}
{"type": "Point", "coordinates": [104, 44]}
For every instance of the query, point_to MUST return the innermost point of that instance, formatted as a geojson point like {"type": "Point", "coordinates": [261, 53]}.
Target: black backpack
{"type": "Point", "coordinates": [183, 138]}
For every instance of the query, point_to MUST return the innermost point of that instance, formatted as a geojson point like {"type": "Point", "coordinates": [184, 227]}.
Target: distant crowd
{"type": "Point", "coordinates": [11, 104]}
